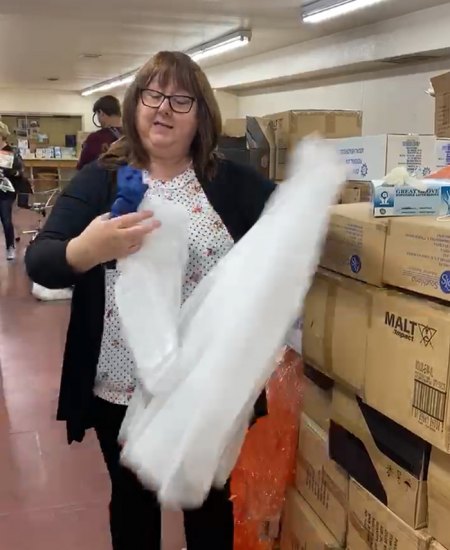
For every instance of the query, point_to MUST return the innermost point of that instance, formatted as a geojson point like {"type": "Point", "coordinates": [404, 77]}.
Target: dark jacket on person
{"type": "Point", "coordinates": [96, 144]}
{"type": "Point", "coordinates": [237, 193]}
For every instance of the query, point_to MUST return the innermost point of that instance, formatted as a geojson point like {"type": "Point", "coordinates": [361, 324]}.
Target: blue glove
{"type": "Point", "coordinates": [130, 191]}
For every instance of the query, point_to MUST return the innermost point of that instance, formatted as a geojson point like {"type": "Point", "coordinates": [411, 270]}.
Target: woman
{"type": "Point", "coordinates": [10, 175]}
{"type": "Point", "coordinates": [171, 124]}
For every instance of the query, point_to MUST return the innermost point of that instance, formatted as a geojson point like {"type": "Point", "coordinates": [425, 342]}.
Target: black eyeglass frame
{"type": "Point", "coordinates": [169, 98]}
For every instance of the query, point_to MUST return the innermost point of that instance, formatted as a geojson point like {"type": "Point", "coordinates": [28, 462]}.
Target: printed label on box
{"type": "Point", "coordinates": [419, 260]}
{"type": "Point", "coordinates": [404, 200]}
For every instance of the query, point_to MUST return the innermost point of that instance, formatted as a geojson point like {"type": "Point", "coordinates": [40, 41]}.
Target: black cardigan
{"type": "Point", "coordinates": [237, 193]}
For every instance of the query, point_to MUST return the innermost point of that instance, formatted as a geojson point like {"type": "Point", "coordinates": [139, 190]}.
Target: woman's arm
{"type": "Point", "coordinates": [83, 200]}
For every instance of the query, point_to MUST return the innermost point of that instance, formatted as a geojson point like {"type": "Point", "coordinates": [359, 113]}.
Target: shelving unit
{"type": "Point", "coordinates": [62, 169]}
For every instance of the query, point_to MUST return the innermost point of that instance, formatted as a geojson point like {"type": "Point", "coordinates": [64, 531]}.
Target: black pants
{"type": "Point", "coordinates": [135, 515]}
{"type": "Point", "coordinates": [6, 206]}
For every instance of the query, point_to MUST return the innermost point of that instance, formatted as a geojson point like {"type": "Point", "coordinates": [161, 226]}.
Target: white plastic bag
{"type": "Point", "coordinates": [50, 294]}
{"type": "Point", "coordinates": [183, 434]}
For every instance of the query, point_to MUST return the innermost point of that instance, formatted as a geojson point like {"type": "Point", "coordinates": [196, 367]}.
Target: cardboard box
{"type": "Point", "coordinates": [234, 127]}
{"type": "Point", "coordinates": [372, 526]}
{"type": "Point", "coordinates": [372, 157]}
{"type": "Point", "coordinates": [407, 371]}
{"type": "Point", "coordinates": [442, 153]}
{"type": "Point", "coordinates": [355, 243]}
{"type": "Point", "coordinates": [261, 144]}
{"type": "Point", "coordinates": [302, 528]}
{"type": "Point", "coordinates": [431, 199]}
{"type": "Point", "coordinates": [418, 256]}
{"type": "Point", "coordinates": [439, 497]}
{"type": "Point", "coordinates": [234, 149]}
{"type": "Point", "coordinates": [320, 481]}
{"type": "Point", "coordinates": [385, 458]}
{"type": "Point", "coordinates": [255, 146]}
{"type": "Point", "coordinates": [292, 126]}
{"type": "Point", "coordinates": [336, 320]}
{"type": "Point", "coordinates": [409, 253]}
{"type": "Point", "coordinates": [356, 191]}
{"type": "Point", "coordinates": [317, 395]}
{"type": "Point", "coordinates": [441, 86]}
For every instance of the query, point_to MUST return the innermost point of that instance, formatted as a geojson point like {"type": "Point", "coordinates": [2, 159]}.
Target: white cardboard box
{"type": "Point", "coordinates": [371, 157]}
{"type": "Point", "coordinates": [442, 153]}
{"type": "Point", "coordinates": [432, 198]}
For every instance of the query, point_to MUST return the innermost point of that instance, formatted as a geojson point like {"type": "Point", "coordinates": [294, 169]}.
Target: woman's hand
{"type": "Point", "coordinates": [106, 239]}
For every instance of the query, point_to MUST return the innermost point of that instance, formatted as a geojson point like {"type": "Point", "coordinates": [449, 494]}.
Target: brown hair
{"type": "Point", "coordinates": [181, 69]}
{"type": "Point", "coordinates": [108, 104]}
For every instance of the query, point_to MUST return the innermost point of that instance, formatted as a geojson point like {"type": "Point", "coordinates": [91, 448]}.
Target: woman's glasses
{"type": "Point", "coordinates": [181, 104]}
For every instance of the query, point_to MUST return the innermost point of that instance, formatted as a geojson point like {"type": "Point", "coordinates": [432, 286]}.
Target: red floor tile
{"type": "Point", "coordinates": [52, 496]}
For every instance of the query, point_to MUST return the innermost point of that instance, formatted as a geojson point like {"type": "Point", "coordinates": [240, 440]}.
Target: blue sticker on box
{"type": "Point", "coordinates": [444, 282]}
{"type": "Point", "coordinates": [355, 264]}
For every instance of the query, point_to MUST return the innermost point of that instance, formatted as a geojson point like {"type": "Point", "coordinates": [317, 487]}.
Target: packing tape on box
{"type": "Point", "coordinates": [330, 312]}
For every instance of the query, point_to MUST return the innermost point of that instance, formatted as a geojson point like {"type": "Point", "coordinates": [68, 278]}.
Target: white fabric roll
{"type": "Point", "coordinates": [201, 373]}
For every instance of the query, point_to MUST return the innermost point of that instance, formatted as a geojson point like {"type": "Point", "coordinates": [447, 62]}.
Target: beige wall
{"type": "Point", "coordinates": [395, 103]}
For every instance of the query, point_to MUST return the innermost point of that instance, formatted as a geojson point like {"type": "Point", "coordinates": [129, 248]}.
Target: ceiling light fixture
{"type": "Point", "coordinates": [317, 11]}
{"type": "Point", "coordinates": [122, 80]}
{"type": "Point", "coordinates": [216, 47]}
{"type": "Point", "coordinates": [223, 45]}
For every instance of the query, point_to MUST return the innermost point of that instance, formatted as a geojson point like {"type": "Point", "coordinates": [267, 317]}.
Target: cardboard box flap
{"type": "Point", "coordinates": [373, 526]}
{"type": "Point", "coordinates": [390, 462]}
{"type": "Point", "coordinates": [261, 143]}
{"type": "Point", "coordinates": [441, 83]}
{"type": "Point", "coordinates": [439, 496]}
{"type": "Point", "coordinates": [389, 438]}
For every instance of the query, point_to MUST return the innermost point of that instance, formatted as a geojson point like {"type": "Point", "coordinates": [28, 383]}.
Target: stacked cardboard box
{"type": "Point", "coordinates": [250, 141]}
{"type": "Point", "coordinates": [316, 509]}
{"type": "Point", "coordinates": [266, 142]}
{"type": "Point", "coordinates": [377, 323]}
{"type": "Point", "coordinates": [292, 126]}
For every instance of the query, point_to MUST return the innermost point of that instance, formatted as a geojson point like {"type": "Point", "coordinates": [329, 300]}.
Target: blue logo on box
{"type": "Point", "coordinates": [384, 198]}
{"type": "Point", "coordinates": [444, 282]}
{"type": "Point", "coordinates": [356, 265]}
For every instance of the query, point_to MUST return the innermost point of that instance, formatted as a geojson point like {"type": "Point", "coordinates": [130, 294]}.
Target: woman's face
{"type": "Point", "coordinates": [164, 132]}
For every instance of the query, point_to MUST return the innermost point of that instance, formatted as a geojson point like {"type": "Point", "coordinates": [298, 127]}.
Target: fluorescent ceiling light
{"type": "Point", "coordinates": [110, 84]}
{"type": "Point", "coordinates": [217, 47]}
{"type": "Point", "coordinates": [224, 45]}
{"type": "Point", "coordinates": [318, 11]}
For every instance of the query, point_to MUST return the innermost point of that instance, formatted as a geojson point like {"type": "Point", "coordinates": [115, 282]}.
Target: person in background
{"type": "Point", "coordinates": [172, 124]}
{"type": "Point", "coordinates": [9, 176]}
{"type": "Point", "coordinates": [108, 117]}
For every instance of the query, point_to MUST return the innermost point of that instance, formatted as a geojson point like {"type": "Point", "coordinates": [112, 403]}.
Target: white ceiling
{"type": "Point", "coordinates": [41, 39]}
